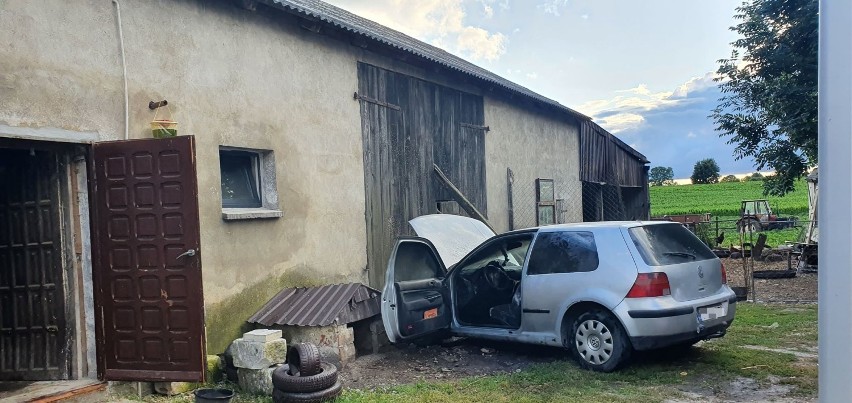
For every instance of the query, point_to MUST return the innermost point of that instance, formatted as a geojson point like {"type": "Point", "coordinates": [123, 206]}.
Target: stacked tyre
{"type": "Point", "coordinates": [305, 378]}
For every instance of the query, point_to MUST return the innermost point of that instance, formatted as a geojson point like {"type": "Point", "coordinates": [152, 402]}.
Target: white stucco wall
{"type": "Point", "coordinates": [534, 145]}
{"type": "Point", "coordinates": [255, 80]}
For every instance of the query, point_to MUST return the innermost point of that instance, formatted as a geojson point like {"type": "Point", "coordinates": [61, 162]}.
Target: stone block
{"type": "Point", "coordinates": [256, 355]}
{"type": "Point", "coordinates": [256, 381]}
{"type": "Point", "coordinates": [174, 388]}
{"type": "Point", "coordinates": [262, 335]}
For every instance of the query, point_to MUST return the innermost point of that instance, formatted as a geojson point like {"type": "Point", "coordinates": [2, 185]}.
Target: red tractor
{"type": "Point", "coordinates": [757, 215]}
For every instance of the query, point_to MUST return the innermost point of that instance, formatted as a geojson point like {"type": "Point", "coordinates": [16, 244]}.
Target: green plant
{"type": "Point", "coordinates": [728, 179]}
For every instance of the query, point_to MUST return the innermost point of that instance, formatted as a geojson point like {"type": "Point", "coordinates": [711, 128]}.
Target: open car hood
{"type": "Point", "coordinates": [453, 236]}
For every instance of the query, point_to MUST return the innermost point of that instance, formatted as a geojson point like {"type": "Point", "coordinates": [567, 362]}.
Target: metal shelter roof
{"type": "Point", "coordinates": [319, 306]}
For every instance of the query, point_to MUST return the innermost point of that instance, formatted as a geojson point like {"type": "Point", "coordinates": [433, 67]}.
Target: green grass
{"type": "Point", "coordinates": [723, 199]}
{"type": "Point", "coordinates": [652, 377]}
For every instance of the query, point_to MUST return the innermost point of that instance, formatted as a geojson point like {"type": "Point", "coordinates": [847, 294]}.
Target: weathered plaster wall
{"type": "Point", "coordinates": [232, 78]}
{"type": "Point", "coordinates": [245, 79]}
{"type": "Point", "coordinates": [534, 145]}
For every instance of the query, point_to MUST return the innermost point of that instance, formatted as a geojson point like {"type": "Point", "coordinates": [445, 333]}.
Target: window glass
{"type": "Point", "coordinates": [515, 248]}
{"type": "Point", "coordinates": [545, 190]}
{"type": "Point", "coordinates": [239, 179]}
{"type": "Point", "coordinates": [563, 252]}
{"type": "Point", "coordinates": [546, 215]}
{"type": "Point", "coordinates": [415, 261]}
{"type": "Point", "coordinates": [664, 244]}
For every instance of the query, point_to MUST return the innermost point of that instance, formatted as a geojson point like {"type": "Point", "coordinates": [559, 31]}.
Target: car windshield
{"type": "Point", "coordinates": [664, 244]}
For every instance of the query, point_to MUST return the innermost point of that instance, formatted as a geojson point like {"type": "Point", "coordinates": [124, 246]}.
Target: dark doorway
{"type": "Point", "coordinates": [34, 338]}
{"type": "Point", "coordinates": [147, 263]}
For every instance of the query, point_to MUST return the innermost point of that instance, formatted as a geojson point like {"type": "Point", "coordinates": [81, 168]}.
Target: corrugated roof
{"type": "Point", "coordinates": [319, 306]}
{"type": "Point", "coordinates": [343, 19]}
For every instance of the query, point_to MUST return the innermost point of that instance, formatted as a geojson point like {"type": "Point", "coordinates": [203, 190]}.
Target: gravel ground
{"type": "Point", "coordinates": [802, 288]}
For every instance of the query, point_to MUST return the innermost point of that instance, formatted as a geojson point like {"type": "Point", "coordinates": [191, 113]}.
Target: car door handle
{"type": "Point", "coordinates": [189, 253]}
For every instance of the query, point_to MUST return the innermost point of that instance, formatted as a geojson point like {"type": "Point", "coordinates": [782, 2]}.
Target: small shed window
{"type": "Point", "coordinates": [545, 202]}
{"type": "Point", "coordinates": [240, 179]}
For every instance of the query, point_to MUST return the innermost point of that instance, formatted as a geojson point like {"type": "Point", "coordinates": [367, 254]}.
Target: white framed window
{"type": "Point", "coordinates": [248, 184]}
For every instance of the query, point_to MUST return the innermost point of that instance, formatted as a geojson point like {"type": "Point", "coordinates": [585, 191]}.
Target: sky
{"type": "Point", "coordinates": [642, 69]}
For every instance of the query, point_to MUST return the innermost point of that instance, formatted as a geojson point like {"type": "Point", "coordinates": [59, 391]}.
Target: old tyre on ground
{"type": "Point", "coordinates": [292, 381]}
{"type": "Point", "coordinates": [324, 395]}
{"type": "Point", "coordinates": [598, 342]}
{"type": "Point", "coordinates": [304, 358]}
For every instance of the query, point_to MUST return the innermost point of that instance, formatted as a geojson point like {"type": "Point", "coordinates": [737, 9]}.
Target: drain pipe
{"type": "Point", "coordinates": [124, 71]}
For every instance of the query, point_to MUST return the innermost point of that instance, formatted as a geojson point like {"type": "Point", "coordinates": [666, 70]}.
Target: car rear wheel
{"type": "Point", "coordinates": [598, 342]}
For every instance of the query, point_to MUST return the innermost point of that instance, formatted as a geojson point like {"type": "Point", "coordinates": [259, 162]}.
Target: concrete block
{"type": "Point", "coordinates": [174, 388]}
{"type": "Point", "coordinates": [256, 355]}
{"type": "Point", "coordinates": [262, 335]}
{"type": "Point", "coordinates": [256, 381]}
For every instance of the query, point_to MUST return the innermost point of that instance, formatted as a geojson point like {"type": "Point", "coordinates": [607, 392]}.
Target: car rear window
{"type": "Point", "coordinates": [665, 244]}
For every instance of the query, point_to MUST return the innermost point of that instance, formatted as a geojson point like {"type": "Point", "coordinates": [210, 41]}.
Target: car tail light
{"type": "Point", "coordinates": [650, 285]}
{"type": "Point", "coordinates": [724, 273]}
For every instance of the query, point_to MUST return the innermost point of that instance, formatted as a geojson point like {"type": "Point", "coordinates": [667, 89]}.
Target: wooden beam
{"type": "Point", "coordinates": [468, 207]}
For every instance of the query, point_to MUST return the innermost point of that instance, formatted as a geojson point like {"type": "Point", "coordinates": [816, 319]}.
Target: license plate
{"type": "Point", "coordinates": [432, 313]}
{"type": "Point", "coordinates": [712, 312]}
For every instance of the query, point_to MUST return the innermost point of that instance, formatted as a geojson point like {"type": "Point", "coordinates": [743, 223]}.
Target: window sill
{"type": "Point", "coordinates": [229, 214]}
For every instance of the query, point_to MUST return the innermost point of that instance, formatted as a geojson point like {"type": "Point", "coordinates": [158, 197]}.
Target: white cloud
{"type": "Point", "coordinates": [487, 11]}
{"type": "Point", "coordinates": [553, 6]}
{"type": "Point", "coordinates": [585, 16]}
{"type": "Point", "coordinates": [625, 110]}
{"type": "Point", "coordinates": [695, 84]}
{"type": "Point", "coordinates": [532, 75]}
{"type": "Point", "coordinates": [438, 22]}
{"type": "Point", "coordinates": [691, 135]}
{"type": "Point", "coordinates": [621, 121]}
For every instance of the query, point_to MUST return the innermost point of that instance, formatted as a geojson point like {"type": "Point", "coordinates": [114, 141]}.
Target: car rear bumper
{"type": "Point", "coordinates": [659, 322]}
{"type": "Point", "coordinates": [652, 342]}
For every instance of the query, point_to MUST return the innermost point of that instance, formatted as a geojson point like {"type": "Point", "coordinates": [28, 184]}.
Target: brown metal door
{"type": "Point", "coordinates": [147, 266]}
{"type": "Point", "coordinates": [33, 335]}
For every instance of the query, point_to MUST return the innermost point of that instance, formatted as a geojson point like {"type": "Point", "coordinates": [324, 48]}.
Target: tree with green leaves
{"type": "Point", "coordinates": [705, 171]}
{"type": "Point", "coordinates": [769, 84]}
{"type": "Point", "coordinates": [659, 176]}
{"type": "Point", "coordinates": [729, 179]}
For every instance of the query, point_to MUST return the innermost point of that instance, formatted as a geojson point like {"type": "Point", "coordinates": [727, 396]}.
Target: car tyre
{"type": "Point", "coordinates": [325, 395]}
{"type": "Point", "coordinates": [287, 381]}
{"type": "Point", "coordinates": [598, 341]}
{"type": "Point", "coordinates": [304, 358]}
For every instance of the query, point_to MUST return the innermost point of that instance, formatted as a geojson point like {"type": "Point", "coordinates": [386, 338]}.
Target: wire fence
{"type": "Point", "coordinates": [537, 201]}
{"type": "Point", "coordinates": [776, 264]}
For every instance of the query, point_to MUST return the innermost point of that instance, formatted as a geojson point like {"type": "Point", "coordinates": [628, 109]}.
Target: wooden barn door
{"type": "Point", "coordinates": [34, 340]}
{"type": "Point", "coordinates": [408, 125]}
{"type": "Point", "coordinates": [147, 266]}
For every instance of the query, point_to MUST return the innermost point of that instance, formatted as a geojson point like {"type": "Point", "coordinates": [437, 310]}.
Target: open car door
{"type": "Point", "coordinates": [415, 300]}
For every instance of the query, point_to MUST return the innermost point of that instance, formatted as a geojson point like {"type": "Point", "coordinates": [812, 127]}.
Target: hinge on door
{"type": "Point", "coordinates": [365, 98]}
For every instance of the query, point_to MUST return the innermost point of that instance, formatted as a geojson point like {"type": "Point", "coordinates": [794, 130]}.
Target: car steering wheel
{"type": "Point", "coordinates": [497, 277]}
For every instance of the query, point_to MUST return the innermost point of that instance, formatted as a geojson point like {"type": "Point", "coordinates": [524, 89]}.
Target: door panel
{"type": "Point", "coordinates": [415, 301]}
{"type": "Point", "coordinates": [33, 332]}
{"type": "Point", "coordinates": [147, 260]}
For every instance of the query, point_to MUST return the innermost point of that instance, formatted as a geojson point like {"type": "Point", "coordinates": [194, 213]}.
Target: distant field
{"type": "Point", "coordinates": [723, 199]}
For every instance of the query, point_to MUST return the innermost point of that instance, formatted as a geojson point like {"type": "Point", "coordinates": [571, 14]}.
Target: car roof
{"type": "Point", "coordinates": [601, 225]}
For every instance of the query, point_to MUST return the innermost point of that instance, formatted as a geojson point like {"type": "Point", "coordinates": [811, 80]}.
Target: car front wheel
{"type": "Point", "coordinates": [598, 342]}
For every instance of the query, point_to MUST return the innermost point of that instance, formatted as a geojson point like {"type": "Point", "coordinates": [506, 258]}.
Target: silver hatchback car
{"type": "Point", "coordinates": [599, 289]}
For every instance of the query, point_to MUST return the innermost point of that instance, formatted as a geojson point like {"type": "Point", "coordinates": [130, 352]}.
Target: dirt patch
{"type": "Point", "coordinates": [455, 358]}
{"type": "Point", "coordinates": [802, 288]}
{"type": "Point", "coordinates": [739, 389]}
